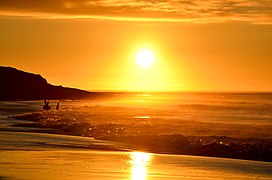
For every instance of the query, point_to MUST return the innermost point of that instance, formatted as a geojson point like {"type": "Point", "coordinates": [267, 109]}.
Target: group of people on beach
{"type": "Point", "coordinates": [47, 107]}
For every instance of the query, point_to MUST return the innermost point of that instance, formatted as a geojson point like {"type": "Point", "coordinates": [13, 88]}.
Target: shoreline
{"type": "Point", "coordinates": [36, 155]}
{"type": "Point", "coordinates": [256, 149]}
{"type": "Point", "coordinates": [141, 135]}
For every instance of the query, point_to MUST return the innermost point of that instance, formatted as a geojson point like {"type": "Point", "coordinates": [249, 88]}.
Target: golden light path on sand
{"type": "Point", "coordinates": [90, 164]}
{"type": "Point", "coordinates": [139, 164]}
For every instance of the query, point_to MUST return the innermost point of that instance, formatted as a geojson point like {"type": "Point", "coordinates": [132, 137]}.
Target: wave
{"type": "Point", "coordinates": [99, 121]}
{"type": "Point", "coordinates": [149, 137]}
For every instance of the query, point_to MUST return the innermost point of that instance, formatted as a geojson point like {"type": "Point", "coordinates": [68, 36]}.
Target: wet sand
{"type": "Point", "coordinates": [89, 164]}
{"type": "Point", "coordinates": [25, 155]}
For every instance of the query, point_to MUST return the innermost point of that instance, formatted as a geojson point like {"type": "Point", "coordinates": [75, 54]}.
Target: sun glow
{"type": "Point", "coordinates": [146, 68]}
{"type": "Point", "coordinates": [145, 58]}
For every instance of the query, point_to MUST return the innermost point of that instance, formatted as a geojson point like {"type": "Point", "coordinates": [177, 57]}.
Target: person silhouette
{"type": "Point", "coordinates": [46, 105]}
{"type": "Point", "coordinates": [57, 107]}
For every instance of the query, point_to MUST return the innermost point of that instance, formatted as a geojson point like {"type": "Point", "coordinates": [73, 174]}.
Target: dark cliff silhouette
{"type": "Point", "coordinates": [19, 85]}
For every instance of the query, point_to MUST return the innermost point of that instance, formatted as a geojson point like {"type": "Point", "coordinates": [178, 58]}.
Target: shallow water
{"type": "Point", "coordinates": [229, 114]}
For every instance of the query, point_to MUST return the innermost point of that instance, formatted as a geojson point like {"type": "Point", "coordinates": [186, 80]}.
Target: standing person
{"type": "Point", "coordinates": [46, 105]}
{"type": "Point", "coordinates": [57, 107]}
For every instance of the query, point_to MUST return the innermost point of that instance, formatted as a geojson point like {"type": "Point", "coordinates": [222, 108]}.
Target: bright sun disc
{"type": "Point", "coordinates": [145, 58]}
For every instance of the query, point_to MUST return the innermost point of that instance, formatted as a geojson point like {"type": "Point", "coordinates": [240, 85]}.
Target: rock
{"type": "Point", "coordinates": [19, 85]}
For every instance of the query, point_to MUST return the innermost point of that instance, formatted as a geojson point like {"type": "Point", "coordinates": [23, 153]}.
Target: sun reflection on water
{"type": "Point", "coordinates": [139, 164]}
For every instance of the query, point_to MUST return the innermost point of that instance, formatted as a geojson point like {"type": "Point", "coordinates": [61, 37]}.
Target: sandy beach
{"type": "Point", "coordinates": [59, 164]}
{"type": "Point", "coordinates": [26, 155]}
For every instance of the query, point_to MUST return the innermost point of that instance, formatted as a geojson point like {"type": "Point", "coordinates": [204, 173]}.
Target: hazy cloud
{"type": "Point", "coordinates": [254, 11]}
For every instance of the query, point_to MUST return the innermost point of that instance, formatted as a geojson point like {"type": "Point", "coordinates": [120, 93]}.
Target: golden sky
{"type": "Point", "coordinates": [198, 45]}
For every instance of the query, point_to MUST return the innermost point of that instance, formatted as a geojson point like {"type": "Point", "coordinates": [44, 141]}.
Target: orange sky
{"type": "Point", "coordinates": [199, 46]}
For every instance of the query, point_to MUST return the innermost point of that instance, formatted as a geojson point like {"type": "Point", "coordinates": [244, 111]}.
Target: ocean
{"type": "Point", "coordinates": [190, 114]}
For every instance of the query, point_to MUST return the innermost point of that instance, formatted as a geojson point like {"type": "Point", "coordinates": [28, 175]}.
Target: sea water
{"type": "Point", "coordinates": [118, 114]}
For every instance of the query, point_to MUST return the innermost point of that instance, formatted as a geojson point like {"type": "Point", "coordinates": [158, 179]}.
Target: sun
{"type": "Point", "coordinates": [145, 58]}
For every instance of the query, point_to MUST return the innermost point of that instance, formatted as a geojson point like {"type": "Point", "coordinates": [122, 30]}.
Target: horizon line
{"type": "Point", "coordinates": [180, 91]}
